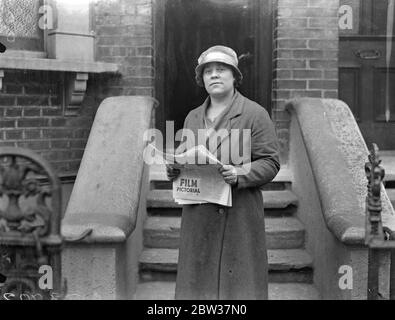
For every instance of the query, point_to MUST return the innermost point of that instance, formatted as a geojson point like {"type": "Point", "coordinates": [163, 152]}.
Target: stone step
{"type": "Point", "coordinates": [166, 260]}
{"type": "Point", "coordinates": [281, 233]}
{"type": "Point", "coordinates": [176, 212]}
{"type": "Point", "coordinates": [158, 179]}
{"type": "Point", "coordinates": [277, 199]}
{"type": "Point", "coordinates": [388, 163]}
{"type": "Point", "coordinates": [277, 291]}
{"type": "Point", "coordinates": [275, 185]}
{"type": "Point", "coordinates": [391, 195]}
{"type": "Point", "coordinates": [297, 276]}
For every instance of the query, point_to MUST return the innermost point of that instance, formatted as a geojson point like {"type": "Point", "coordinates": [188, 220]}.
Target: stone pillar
{"type": "Point", "coordinates": [305, 57]}
{"type": "Point", "coordinates": [107, 204]}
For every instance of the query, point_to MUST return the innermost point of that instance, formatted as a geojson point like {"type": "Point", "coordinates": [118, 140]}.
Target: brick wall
{"type": "Point", "coordinates": [124, 36]}
{"type": "Point", "coordinates": [32, 117]}
{"type": "Point", "coordinates": [305, 56]}
{"type": "Point", "coordinates": [305, 64]}
{"type": "Point", "coordinates": [31, 112]}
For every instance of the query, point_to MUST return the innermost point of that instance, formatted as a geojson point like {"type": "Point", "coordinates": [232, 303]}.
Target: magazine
{"type": "Point", "coordinates": [200, 180]}
{"type": "Point", "coordinates": [201, 184]}
{"type": "Point", "coordinates": [198, 155]}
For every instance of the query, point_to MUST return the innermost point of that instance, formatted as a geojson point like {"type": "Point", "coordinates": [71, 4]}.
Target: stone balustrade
{"type": "Point", "coordinates": [106, 203]}
{"type": "Point", "coordinates": [327, 158]}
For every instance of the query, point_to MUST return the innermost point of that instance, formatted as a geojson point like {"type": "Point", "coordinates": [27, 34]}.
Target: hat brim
{"type": "Point", "coordinates": [200, 67]}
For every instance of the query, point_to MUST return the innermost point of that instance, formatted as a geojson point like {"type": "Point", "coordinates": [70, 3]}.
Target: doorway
{"type": "Point", "coordinates": [367, 70]}
{"type": "Point", "coordinates": [185, 28]}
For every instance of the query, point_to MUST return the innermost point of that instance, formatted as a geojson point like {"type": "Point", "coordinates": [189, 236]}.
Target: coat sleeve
{"type": "Point", "coordinates": [265, 162]}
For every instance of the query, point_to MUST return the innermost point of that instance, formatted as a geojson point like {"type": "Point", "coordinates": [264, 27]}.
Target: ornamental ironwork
{"type": "Point", "coordinates": [30, 216]}
{"type": "Point", "coordinates": [375, 175]}
{"type": "Point", "coordinates": [378, 238]}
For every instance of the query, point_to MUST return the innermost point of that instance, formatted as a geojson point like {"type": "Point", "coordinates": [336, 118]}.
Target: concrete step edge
{"type": "Point", "coordinates": [281, 233]}
{"type": "Point", "coordinates": [169, 224]}
{"type": "Point", "coordinates": [388, 163]}
{"type": "Point", "coordinates": [160, 290]}
{"type": "Point", "coordinates": [277, 199]}
{"type": "Point", "coordinates": [279, 259]}
{"type": "Point", "coordinates": [391, 195]}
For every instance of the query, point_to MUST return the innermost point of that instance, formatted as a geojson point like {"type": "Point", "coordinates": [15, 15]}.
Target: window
{"type": "Point", "coordinates": [19, 25]}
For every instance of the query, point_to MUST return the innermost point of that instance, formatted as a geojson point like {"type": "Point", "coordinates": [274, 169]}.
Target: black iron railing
{"type": "Point", "coordinates": [377, 237]}
{"type": "Point", "coordinates": [30, 217]}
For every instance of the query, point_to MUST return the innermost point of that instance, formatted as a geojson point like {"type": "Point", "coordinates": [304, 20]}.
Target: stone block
{"type": "Point", "coordinates": [70, 47]}
{"type": "Point", "coordinates": [72, 16]}
{"type": "Point", "coordinates": [90, 272]}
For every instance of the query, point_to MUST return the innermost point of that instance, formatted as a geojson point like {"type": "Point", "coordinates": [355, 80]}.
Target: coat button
{"type": "Point", "coordinates": [221, 210]}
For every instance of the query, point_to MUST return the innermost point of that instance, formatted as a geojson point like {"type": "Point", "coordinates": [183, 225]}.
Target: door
{"type": "Point", "coordinates": [367, 70]}
{"type": "Point", "coordinates": [189, 28]}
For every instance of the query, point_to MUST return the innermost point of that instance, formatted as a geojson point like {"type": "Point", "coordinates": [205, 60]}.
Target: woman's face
{"type": "Point", "coordinates": [218, 79]}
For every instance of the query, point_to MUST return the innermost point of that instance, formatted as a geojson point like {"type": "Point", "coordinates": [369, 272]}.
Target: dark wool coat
{"type": "Point", "coordinates": [222, 249]}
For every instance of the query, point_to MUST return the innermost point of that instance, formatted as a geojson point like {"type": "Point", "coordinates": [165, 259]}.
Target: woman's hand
{"type": "Point", "coordinates": [229, 174]}
{"type": "Point", "coordinates": [172, 172]}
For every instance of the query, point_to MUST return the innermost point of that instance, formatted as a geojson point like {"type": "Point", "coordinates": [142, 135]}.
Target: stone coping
{"type": "Point", "coordinates": [64, 177]}
{"type": "Point", "coordinates": [97, 228]}
{"type": "Point", "coordinates": [337, 154]}
{"type": "Point", "coordinates": [32, 63]}
{"type": "Point", "coordinates": [24, 54]}
{"type": "Point", "coordinates": [105, 199]}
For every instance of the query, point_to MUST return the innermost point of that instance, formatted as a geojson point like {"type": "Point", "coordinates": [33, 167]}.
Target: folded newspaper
{"type": "Point", "coordinates": [199, 180]}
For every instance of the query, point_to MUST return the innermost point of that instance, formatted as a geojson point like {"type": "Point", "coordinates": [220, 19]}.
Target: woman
{"type": "Point", "coordinates": [222, 249]}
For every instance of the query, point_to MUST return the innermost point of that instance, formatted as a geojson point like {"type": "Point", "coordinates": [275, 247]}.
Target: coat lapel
{"type": "Point", "coordinates": [225, 122]}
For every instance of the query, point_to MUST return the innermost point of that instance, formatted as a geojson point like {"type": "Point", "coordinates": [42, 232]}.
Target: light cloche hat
{"type": "Point", "coordinates": [220, 54]}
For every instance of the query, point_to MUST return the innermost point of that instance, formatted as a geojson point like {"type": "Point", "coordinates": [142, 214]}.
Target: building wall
{"type": "Point", "coordinates": [306, 43]}
{"type": "Point", "coordinates": [305, 64]}
{"type": "Point", "coordinates": [32, 117]}
{"type": "Point", "coordinates": [124, 36]}
{"type": "Point", "coordinates": [31, 112]}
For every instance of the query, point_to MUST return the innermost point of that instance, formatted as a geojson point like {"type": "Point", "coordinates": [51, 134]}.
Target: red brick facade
{"type": "Point", "coordinates": [31, 112]}
{"type": "Point", "coordinates": [305, 56]}
{"type": "Point", "coordinates": [32, 117]}
{"type": "Point", "coordinates": [124, 36]}
{"type": "Point", "coordinates": [305, 64]}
